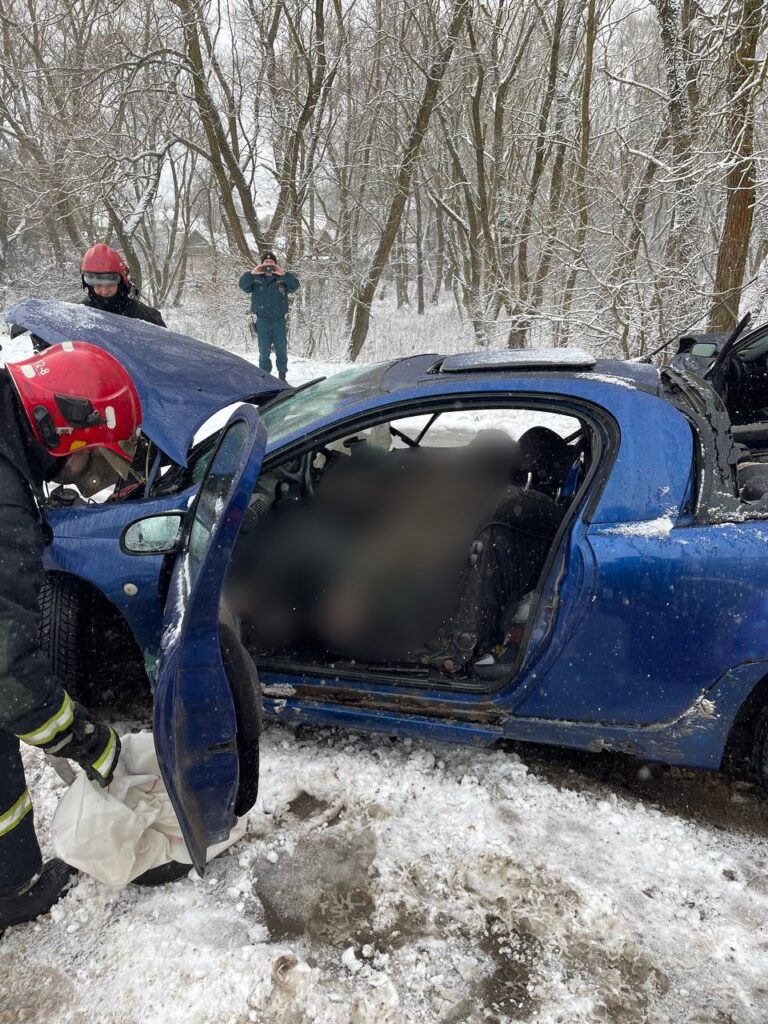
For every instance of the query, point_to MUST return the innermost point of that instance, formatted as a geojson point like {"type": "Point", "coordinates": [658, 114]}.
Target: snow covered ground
{"type": "Point", "coordinates": [387, 881]}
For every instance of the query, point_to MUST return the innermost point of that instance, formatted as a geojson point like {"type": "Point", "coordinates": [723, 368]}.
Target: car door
{"type": "Point", "coordinates": [199, 705]}
{"type": "Point", "coordinates": [740, 377]}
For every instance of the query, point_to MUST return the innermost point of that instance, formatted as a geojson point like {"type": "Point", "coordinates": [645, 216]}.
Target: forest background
{"type": "Point", "coordinates": [440, 173]}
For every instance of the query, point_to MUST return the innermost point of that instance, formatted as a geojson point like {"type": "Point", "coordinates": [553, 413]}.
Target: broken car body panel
{"type": "Point", "coordinates": [181, 381]}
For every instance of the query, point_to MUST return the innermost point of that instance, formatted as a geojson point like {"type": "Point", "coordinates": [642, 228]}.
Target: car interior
{"type": "Point", "coordinates": [745, 386]}
{"type": "Point", "coordinates": [412, 548]}
{"type": "Point", "coordinates": [746, 383]}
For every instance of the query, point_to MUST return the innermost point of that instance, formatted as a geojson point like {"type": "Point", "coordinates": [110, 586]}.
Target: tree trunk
{"type": "Point", "coordinates": [364, 295]}
{"type": "Point", "coordinates": [581, 175]}
{"type": "Point", "coordinates": [126, 244]}
{"type": "Point", "coordinates": [679, 278]}
{"type": "Point", "coordinates": [400, 269]}
{"type": "Point", "coordinates": [740, 179]}
{"type": "Point", "coordinates": [419, 252]}
{"type": "Point", "coordinates": [226, 169]}
{"type": "Point", "coordinates": [439, 255]}
{"type": "Point", "coordinates": [542, 145]}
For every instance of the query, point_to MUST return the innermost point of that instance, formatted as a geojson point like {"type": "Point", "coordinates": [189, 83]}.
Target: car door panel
{"type": "Point", "coordinates": [672, 610]}
{"type": "Point", "coordinates": [196, 714]}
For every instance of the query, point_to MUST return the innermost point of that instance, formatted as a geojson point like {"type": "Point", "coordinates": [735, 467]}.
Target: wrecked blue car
{"type": "Point", "coordinates": [525, 545]}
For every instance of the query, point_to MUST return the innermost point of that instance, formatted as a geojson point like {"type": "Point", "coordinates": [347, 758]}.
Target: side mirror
{"type": "Point", "coordinates": [153, 535]}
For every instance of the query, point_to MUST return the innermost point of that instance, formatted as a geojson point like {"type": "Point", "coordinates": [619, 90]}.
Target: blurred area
{"type": "Point", "coordinates": [380, 550]}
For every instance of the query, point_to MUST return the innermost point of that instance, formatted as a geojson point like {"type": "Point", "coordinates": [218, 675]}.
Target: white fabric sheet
{"type": "Point", "coordinates": [118, 833]}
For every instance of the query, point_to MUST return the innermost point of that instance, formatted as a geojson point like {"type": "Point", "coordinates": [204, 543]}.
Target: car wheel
{"type": "Point", "coordinates": [65, 634]}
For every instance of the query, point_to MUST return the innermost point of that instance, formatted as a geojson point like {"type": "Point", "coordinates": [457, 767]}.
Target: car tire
{"type": "Point", "coordinates": [65, 635]}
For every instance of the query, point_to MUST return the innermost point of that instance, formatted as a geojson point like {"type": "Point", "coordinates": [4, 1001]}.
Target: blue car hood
{"type": "Point", "coordinates": [181, 381]}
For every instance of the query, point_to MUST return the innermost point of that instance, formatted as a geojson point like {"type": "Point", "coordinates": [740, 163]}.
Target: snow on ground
{"type": "Point", "coordinates": [385, 882]}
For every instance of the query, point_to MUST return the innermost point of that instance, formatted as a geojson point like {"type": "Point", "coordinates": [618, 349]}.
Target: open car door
{"type": "Point", "coordinates": [201, 710]}
{"type": "Point", "coordinates": [739, 374]}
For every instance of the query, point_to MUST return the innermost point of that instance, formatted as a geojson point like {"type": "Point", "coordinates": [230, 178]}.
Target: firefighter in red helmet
{"type": "Point", "coordinates": [57, 409]}
{"type": "Point", "coordinates": [105, 278]}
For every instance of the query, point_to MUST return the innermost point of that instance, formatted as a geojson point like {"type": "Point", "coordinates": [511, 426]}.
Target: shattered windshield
{"type": "Point", "coordinates": [290, 414]}
{"type": "Point", "coordinates": [299, 410]}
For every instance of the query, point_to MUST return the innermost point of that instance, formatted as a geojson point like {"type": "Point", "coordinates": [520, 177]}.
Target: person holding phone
{"type": "Point", "coordinates": [269, 286]}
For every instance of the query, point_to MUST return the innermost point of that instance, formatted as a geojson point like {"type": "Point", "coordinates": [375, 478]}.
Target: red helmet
{"type": "Point", "coordinates": [77, 396]}
{"type": "Point", "coordinates": [102, 264]}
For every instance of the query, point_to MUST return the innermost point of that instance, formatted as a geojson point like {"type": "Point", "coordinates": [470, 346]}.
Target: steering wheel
{"type": "Point", "coordinates": [298, 472]}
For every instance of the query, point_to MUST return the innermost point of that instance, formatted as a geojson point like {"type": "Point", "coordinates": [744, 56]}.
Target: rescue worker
{"type": "Point", "coordinates": [269, 287]}
{"type": "Point", "coordinates": [105, 277]}
{"type": "Point", "coordinates": [58, 409]}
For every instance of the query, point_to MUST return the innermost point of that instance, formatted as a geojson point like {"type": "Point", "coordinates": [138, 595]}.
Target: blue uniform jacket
{"type": "Point", "coordinates": [269, 293]}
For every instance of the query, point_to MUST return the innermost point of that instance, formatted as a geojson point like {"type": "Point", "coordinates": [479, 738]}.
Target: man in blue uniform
{"type": "Point", "coordinates": [269, 287]}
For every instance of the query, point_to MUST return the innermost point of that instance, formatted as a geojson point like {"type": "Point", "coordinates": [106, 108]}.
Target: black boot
{"type": "Point", "coordinates": [282, 375]}
{"type": "Point", "coordinates": [53, 882]}
{"type": "Point", "coordinates": [173, 871]}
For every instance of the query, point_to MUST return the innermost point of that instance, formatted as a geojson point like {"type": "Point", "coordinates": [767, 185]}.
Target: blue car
{"type": "Point", "coordinates": [512, 545]}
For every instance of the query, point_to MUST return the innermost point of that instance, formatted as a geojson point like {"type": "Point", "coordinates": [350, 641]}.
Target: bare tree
{"type": "Point", "coordinates": [742, 85]}
{"type": "Point", "coordinates": [435, 75]}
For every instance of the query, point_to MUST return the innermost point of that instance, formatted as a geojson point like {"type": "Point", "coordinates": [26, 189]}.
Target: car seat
{"type": "Point", "coordinates": [503, 565]}
{"type": "Point", "coordinates": [548, 458]}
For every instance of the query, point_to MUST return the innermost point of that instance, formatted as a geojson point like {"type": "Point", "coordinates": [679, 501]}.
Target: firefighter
{"type": "Point", "coordinates": [59, 409]}
{"type": "Point", "coordinates": [105, 277]}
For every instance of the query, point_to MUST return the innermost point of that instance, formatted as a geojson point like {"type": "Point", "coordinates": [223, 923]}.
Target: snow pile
{"type": "Point", "coordinates": [660, 527]}
{"type": "Point", "coordinates": [386, 882]}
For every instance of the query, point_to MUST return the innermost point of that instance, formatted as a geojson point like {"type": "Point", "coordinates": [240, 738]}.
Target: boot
{"type": "Point", "coordinates": [54, 880]}
{"type": "Point", "coordinates": [282, 375]}
{"type": "Point", "coordinates": [173, 871]}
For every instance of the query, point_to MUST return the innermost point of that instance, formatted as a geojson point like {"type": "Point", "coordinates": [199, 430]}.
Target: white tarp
{"type": "Point", "coordinates": [118, 833]}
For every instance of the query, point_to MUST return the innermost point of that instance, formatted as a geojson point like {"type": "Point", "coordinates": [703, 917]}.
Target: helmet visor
{"type": "Point", "coordinates": [103, 278]}
{"type": "Point", "coordinates": [120, 465]}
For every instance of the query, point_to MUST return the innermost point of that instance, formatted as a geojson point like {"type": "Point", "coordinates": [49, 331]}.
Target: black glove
{"type": "Point", "coordinates": [92, 745]}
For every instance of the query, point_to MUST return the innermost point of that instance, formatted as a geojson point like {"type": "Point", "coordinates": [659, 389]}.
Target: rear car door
{"type": "Point", "coordinates": [200, 706]}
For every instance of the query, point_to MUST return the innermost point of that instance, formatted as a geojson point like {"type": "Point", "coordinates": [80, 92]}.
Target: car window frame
{"type": "Point", "coordinates": [716, 498]}
{"type": "Point", "coordinates": [605, 440]}
{"type": "Point", "coordinates": [582, 409]}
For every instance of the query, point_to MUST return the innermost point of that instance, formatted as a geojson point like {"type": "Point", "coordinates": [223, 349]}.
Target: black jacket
{"type": "Point", "coordinates": [30, 693]}
{"type": "Point", "coordinates": [124, 305]}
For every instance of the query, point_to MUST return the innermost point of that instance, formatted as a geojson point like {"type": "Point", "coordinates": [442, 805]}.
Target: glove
{"type": "Point", "coordinates": [92, 745]}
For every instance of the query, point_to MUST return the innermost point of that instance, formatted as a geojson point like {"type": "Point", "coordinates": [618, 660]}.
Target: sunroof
{"type": "Point", "coordinates": [516, 359]}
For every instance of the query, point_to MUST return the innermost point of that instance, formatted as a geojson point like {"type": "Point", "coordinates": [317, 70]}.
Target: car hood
{"type": "Point", "coordinates": [181, 381]}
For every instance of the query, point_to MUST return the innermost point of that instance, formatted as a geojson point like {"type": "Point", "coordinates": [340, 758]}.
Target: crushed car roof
{"type": "Point", "coordinates": [181, 380]}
